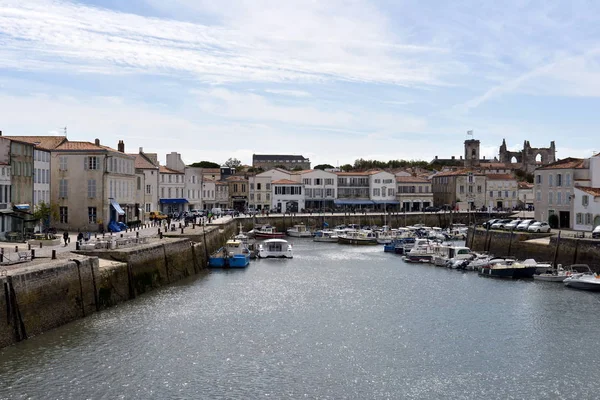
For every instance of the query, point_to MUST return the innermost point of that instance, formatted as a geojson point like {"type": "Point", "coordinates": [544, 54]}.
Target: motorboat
{"type": "Point", "coordinates": [385, 237]}
{"type": "Point", "coordinates": [299, 231]}
{"type": "Point", "coordinates": [479, 260]}
{"type": "Point", "coordinates": [446, 256]}
{"type": "Point", "coordinates": [582, 278]}
{"type": "Point", "coordinates": [423, 251]}
{"type": "Point", "coordinates": [275, 248]}
{"type": "Point", "coordinates": [235, 254]}
{"type": "Point", "coordinates": [509, 268]}
{"type": "Point", "coordinates": [404, 245]}
{"type": "Point", "coordinates": [361, 237]}
{"type": "Point", "coordinates": [267, 232]}
{"type": "Point", "coordinates": [325, 235]}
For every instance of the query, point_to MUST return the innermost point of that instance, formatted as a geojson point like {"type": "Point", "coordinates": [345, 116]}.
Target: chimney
{"type": "Point", "coordinates": [97, 142]}
{"type": "Point", "coordinates": [436, 157]}
{"type": "Point", "coordinates": [484, 157]}
{"type": "Point", "coordinates": [141, 150]}
{"type": "Point", "coordinates": [453, 157]}
{"type": "Point", "coordinates": [461, 157]}
{"type": "Point", "coordinates": [0, 133]}
{"type": "Point", "coordinates": [121, 146]}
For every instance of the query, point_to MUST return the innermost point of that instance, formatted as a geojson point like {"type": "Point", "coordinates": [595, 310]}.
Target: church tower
{"type": "Point", "coordinates": [471, 153]}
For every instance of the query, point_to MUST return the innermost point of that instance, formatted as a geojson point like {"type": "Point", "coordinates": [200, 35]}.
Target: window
{"type": "Point", "coordinates": [558, 179]}
{"type": "Point", "coordinates": [329, 192]}
{"type": "Point", "coordinates": [550, 198]}
{"type": "Point", "coordinates": [470, 189]}
{"type": "Point", "coordinates": [558, 197]}
{"type": "Point", "coordinates": [318, 181]}
{"type": "Point", "coordinates": [377, 180]}
{"type": "Point", "coordinates": [506, 193]}
{"type": "Point", "coordinates": [479, 189]}
{"type": "Point", "coordinates": [170, 193]}
{"type": "Point", "coordinates": [148, 207]}
{"type": "Point", "coordinates": [470, 177]}
{"type": "Point", "coordinates": [62, 188]}
{"type": "Point", "coordinates": [268, 186]}
{"type": "Point", "coordinates": [258, 186]}
{"type": "Point", "coordinates": [139, 183]}
{"type": "Point", "coordinates": [148, 189]}
{"type": "Point", "coordinates": [499, 193]}
{"type": "Point", "coordinates": [584, 200]}
{"type": "Point", "coordinates": [162, 192]}
{"type": "Point", "coordinates": [579, 218]}
{"type": "Point", "coordinates": [251, 186]}
{"type": "Point", "coordinates": [328, 181]}
{"type": "Point", "coordinates": [251, 196]}
{"type": "Point", "coordinates": [90, 163]}
{"type": "Point", "coordinates": [92, 215]}
{"type": "Point", "coordinates": [63, 213]}
{"type": "Point", "coordinates": [63, 163]}
{"type": "Point", "coordinates": [462, 189]}
{"type": "Point", "coordinates": [258, 197]}
{"type": "Point", "coordinates": [491, 193]}
{"type": "Point", "coordinates": [306, 181]}
{"type": "Point", "coordinates": [91, 188]}
{"type": "Point", "coordinates": [588, 219]}
{"type": "Point", "coordinates": [244, 187]}
{"type": "Point", "coordinates": [514, 194]}
{"type": "Point", "coordinates": [538, 179]}
{"type": "Point", "coordinates": [538, 196]}
{"type": "Point", "coordinates": [268, 196]}
{"type": "Point", "coordinates": [550, 180]}
{"type": "Point", "coordinates": [568, 180]}
{"type": "Point", "coordinates": [390, 192]}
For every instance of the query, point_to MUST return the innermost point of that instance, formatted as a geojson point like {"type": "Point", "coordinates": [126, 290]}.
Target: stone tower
{"type": "Point", "coordinates": [471, 153]}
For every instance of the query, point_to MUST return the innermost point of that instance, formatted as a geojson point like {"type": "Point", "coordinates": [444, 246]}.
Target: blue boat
{"type": "Point", "coordinates": [235, 254]}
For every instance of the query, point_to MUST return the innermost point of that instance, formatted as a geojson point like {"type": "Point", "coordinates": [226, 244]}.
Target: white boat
{"type": "Point", "coordinates": [275, 248]}
{"type": "Point", "coordinates": [423, 251]}
{"type": "Point", "coordinates": [325, 235]}
{"type": "Point", "coordinates": [583, 280]}
{"type": "Point", "coordinates": [446, 255]}
{"type": "Point", "coordinates": [480, 260]}
{"type": "Point", "coordinates": [241, 236]}
{"type": "Point", "coordinates": [385, 237]}
{"type": "Point", "coordinates": [299, 231]}
{"type": "Point", "coordinates": [560, 274]}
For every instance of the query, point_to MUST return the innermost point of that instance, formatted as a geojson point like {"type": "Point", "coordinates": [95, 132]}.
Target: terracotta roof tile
{"type": "Point", "coordinates": [411, 179]}
{"type": "Point", "coordinates": [590, 190]}
{"type": "Point", "coordinates": [142, 162]}
{"type": "Point", "coordinates": [285, 182]}
{"type": "Point", "coordinates": [493, 165]}
{"type": "Point", "coordinates": [165, 170]}
{"type": "Point", "coordinates": [567, 163]}
{"type": "Point", "coordinates": [82, 146]}
{"type": "Point", "coordinates": [457, 173]}
{"type": "Point", "coordinates": [42, 142]}
{"type": "Point", "coordinates": [352, 173]}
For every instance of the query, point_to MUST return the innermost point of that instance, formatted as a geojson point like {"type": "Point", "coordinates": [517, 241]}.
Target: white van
{"type": "Point", "coordinates": [216, 211]}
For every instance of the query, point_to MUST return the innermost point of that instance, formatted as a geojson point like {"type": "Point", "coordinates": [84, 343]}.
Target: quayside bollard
{"type": "Point", "coordinates": [33, 254]}
{"type": "Point", "coordinates": [28, 246]}
{"type": "Point", "coordinates": [160, 235]}
{"type": "Point", "coordinates": [54, 254]}
{"type": "Point", "coordinates": [16, 249]}
{"type": "Point", "coordinates": [41, 244]}
{"type": "Point", "coordinates": [182, 230]}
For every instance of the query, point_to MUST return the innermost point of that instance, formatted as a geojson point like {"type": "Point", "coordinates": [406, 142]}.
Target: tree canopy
{"type": "Point", "coordinates": [233, 163]}
{"type": "Point", "coordinates": [205, 164]}
{"type": "Point", "coordinates": [323, 166]}
{"type": "Point", "coordinates": [362, 164]}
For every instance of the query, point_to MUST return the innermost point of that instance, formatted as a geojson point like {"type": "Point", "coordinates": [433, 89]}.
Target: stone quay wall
{"type": "Point", "coordinates": [45, 294]}
{"type": "Point", "coordinates": [567, 250]}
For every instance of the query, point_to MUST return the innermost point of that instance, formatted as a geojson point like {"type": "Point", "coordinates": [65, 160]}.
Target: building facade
{"type": "Point", "coordinates": [238, 192]}
{"type": "Point", "coordinates": [172, 191]}
{"type": "Point", "coordinates": [502, 191]}
{"type": "Point", "coordinates": [465, 189]}
{"type": "Point", "coordinates": [147, 171]}
{"type": "Point", "coordinates": [353, 190]}
{"type": "Point", "coordinates": [382, 189]}
{"type": "Point", "coordinates": [289, 162]}
{"type": "Point", "coordinates": [413, 193]}
{"type": "Point", "coordinates": [288, 196]}
{"type": "Point", "coordinates": [586, 208]}
{"type": "Point", "coordinates": [320, 188]}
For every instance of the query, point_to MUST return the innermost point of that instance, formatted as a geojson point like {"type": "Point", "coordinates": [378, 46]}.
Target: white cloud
{"type": "Point", "coordinates": [286, 92]}
{"type": "Point", "coordinates": [295, 41]}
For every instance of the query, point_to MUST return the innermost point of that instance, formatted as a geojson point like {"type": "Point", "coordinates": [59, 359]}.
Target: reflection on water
{"type": "Point", "coordinates": [334, 322]}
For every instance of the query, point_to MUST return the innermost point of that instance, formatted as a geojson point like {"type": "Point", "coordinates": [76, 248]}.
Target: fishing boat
{"type": "Point", "coordinates": [299, 231]}
{"type": "Point", "coordinates": [267, 232]}
{"type": "Point", "coordinates": [509, 268]}
{"type": "Point", "coordinates": [361, 237]}
{"type": "Point", "coordinates": [234, 254]}
{"type": "Point", "coordinates": [325, 235]}
{"type": "Point", "coordinates": [241, 236]}
{"type": "Point", "coordinates": [275, 248]}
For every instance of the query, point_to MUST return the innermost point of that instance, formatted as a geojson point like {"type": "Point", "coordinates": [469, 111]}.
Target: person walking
{"type": "Point", "coordinates": [66, 237]}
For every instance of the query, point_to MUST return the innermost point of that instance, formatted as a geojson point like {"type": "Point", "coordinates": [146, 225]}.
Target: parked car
{"type": "Point", "coordinates": [596, 232]}
{"type": "Point", "coordinates": [525, 224]}
{"type": "Point", "coordinates": [432, 209]}
{"type": "Point", "coordinates": [157, 215]}
{"type": "Point", "coordinates": [540, 227]}
{"type": "Point", "coordinates": [488, 224]}
{"type": "Point", "coordinates": [512, 225]}
{"type": "Point", "coordinates": [500, 223]}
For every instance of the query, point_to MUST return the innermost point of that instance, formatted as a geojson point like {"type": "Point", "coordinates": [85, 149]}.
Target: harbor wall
{"type": "Point", "coordinates": [567, 250]}
{"type": "Point", "coordinates": [45, 294]}
{"type": "Point", "coordinates": [441, 219]}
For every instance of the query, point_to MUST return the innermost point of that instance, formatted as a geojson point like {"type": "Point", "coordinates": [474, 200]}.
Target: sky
{"type": "Point", "coordinates": [333, 80]}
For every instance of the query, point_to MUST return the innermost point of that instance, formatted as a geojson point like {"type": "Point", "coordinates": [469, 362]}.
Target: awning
{"type": "Point", "coordinates": [22, 206]}
{"type": "Point", "coordinates": [352, 202]}
{"type": "Point", "coordinates": [117, 207]}
{"type": "Point", "coordinates": [173, 201]}
{"type": "Point", "coordinates": [386, 202]}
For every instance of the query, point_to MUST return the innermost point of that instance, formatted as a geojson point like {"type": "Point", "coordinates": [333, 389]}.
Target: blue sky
{"type": "Point", "coordinates": [333, 80]}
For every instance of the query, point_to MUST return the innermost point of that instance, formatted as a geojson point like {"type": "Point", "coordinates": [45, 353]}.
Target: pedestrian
{"type": "Point", "coordinates": [66, 237]}
{"type": "Point", "coordinates": [80, 238]}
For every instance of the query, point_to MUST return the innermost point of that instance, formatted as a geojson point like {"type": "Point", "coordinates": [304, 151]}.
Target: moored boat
{"type": "Point", "coordinates": [299, 230]}
{"type": "Point", "coordinates": [358, 238]}
{"type": "Point", "coordinates": [583, 279]}
{"type": "Point", "coordinates": [234, 254]}
{"type": "Point", "coordinates": [508, 268]}
{"type": "Point", "coordinates": [275, 248]}
{"type": "Point", "coordinates": [267, 232]}
{"type": "Point", "coordinates": [325, 235]}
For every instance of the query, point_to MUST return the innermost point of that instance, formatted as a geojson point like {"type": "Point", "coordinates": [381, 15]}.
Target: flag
{"type": "Point", "coordinates": [470, 133]}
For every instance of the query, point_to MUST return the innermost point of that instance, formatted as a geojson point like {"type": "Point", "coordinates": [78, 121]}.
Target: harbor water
{"type": "Point", "coordinates": [335, 322]}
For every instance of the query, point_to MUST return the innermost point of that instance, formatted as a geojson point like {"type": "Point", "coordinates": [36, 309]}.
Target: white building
{"type": "Point", "coordinates": [383, 190]}
{"type": "Point", "coordinates": [502, 190]}
{"type": "Point", "coordinates": [193, 187]}
{"type": "Point", "coordinates": [320, 188]}
{"type": "Point", "coordinates": [146, 167]}
{"type": "Point", "coordinates": [413, 193]}
{"type": "Point", "coordinates": [260, 190]}
{"type": "Point", "coordinates": [586, 207]}
{"type": "Point", "coordinates": [288, 196]}
{"type": "Point", "coordinates": [172, 186]}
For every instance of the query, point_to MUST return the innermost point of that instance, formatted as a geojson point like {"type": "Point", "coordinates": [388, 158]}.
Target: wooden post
{"type": "Point", "coordinates": [556, 250]}
{"type": "Point", "coordinates": [54, 254]}
{"type": "Point", "coordinates": [510, 242]}
{"type": "Point", "coordinates": [575, 253]}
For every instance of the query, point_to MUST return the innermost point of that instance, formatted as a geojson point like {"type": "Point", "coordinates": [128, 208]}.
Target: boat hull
{"type": "Point", "coordinates": [326, 239]}
{"type": "Point", "coordinates": [238, 261]}
{"type": "Point", "coordinates": [357, 241]}
{"type": "Point", "coordinates": [277, 235]}
{"type": "Point", "coordinates": [549, 278]}
{"type": "Point", "coordinates": [216, 262]}
{"type": "Point", "coordinates": [299, 234]}
{"type": "Point", "coordinates": [509, 273]}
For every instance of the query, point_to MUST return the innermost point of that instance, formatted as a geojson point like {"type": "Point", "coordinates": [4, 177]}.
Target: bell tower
{"type": "Point", "coordinates": [471, 153]}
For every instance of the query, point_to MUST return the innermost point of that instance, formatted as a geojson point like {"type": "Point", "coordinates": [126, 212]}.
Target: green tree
{"type": "Point", "coordinates": [323, 166]}
{"type": "Point", "coordinates": [233, 163]}
{"type": "Point", "coordinates": [205, 164]}
{"type": "Point", "coordinates": [346, 167]}
{"type": "Point", "coordinates": [280, 166]}
{"type": "Point", "coordinates": [45, 213]}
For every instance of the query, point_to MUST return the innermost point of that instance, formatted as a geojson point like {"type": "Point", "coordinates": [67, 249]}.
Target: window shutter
{"type": "Point", "coordinates": [85, 163]}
